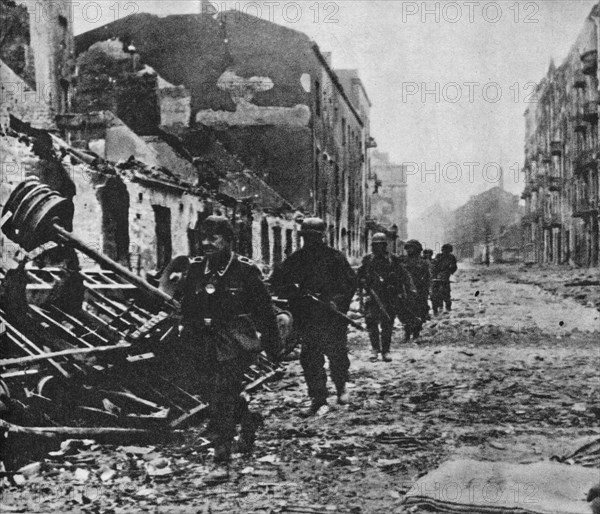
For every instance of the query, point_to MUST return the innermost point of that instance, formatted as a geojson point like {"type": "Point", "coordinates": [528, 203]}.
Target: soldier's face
{"type": "Point", "coordinates": [215, 245]}
{"type": "Point", "coordinates": [312, 239]}
{"type": "Point", "coordinates": [379, 248]}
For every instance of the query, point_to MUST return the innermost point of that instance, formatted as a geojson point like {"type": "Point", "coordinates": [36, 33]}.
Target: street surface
{"type": "Point", "coordinates": [511, 374]}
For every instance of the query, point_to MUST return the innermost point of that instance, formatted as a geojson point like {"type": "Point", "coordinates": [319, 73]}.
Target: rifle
{"type": "Point", "coordinates": [379, 303]}
{"type": "Point", "coordinates": [401, 297]}
{"type": "Point", "coordinates": [331, 309]}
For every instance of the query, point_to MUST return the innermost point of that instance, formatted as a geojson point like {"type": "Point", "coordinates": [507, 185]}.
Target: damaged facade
{"type": "Point", "coordinates": [269, 96]}
{"type": "Point", "coordinates": [37, 60]}
{"type": "Point", "coordinates": [561, 159]}
{"type": "Point", "coordinates": [388, 199]}
{"type": "Point", "coordinates": [170, 177]}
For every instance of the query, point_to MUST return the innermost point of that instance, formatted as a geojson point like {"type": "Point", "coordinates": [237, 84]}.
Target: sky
{"type": "Point", "coordinates": [449, 80]}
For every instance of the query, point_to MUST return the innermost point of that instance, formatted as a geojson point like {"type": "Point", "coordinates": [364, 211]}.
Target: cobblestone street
{"type": "Point", "coordinates": [491, 381]}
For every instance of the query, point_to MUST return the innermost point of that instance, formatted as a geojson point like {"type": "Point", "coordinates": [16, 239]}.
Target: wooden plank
{"type": "Point", "coordinates": [188, 415]}
{"type": "Point", "coordinates": [51, 355]}
{"type": "Point", "coordinates": [81, 325]}
{"type": "Point", "coordinates": [115, 435]}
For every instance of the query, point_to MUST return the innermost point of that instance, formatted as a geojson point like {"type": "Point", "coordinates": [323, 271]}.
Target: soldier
{"type": "Point", "coordinates": [444, 265]}
{"type": "Point", "coordinates": [428, 258]}
{"type": "Point", "coordinates": [324, 273]}
{"type": "Point", "coordinates": [384, 279]}
{"type": "Point", "coordinates": [224, 306]}
{"type": "Point", "coordinates": [419, 272]}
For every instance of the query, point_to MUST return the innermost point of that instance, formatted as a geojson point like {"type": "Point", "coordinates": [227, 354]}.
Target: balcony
{"type": "Point", "coordinates": [371, 143]}
{"type": "Point", "coordinates": [535, 184]}
{"type": "Point", "coordinates": [584, 207]}
{"type": "Point", "coordinates": [551, 220]}
{"type": "Point", "coordinates": [530, 218]}
{"type": "Point", "coordinates": [556, 147]}
{"type": "Point", "coordinates": [579, 80]}
{"type": "Point", "coordinates": [589, 62]}
{"type": "Point", "coordinates": [585, 160]}
{"type": "Point", "coordinates": [590, 111]}
{"type": "Point", "coordinates": [554, 183]}
{"type": "Point", "coordinates": [579, 123]}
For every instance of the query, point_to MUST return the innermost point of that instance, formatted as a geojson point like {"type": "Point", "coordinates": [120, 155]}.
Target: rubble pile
{"type": "Point", "coordinates": [97, 346]}
{"type": "Point", "coordinates": [583, 285]}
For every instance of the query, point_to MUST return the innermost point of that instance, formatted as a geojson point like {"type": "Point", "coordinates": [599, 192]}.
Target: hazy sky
{"type": "Point", "coordinates": [449, 81]}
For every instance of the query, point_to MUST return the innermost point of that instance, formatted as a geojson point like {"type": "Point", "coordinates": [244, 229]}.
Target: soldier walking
{"type": "Point", "coordinates": [444, 266]}
{"type": "Point", "coordinates": [419, 272]}
{"type": "Point", "coordinates": [225, 304]}
{"type": "Point", "coordinates": [428, 258]}
{"type": "Point", "coordinates": [385, 281]}
{"type": "Point", "coordinates": [318, 282]}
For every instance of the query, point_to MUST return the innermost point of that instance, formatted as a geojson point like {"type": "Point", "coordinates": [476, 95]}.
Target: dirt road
{"type": "Point", "coordinates": [509, 375]}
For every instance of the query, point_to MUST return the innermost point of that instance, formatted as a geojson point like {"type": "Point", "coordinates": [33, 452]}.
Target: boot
{"type": "Point", "coordinates": [387, 357]}
{"type": "Point", "coordinates": [343, 396]}
{"type": "Point", "coordinates": [218, 474]}
{"type": "Point", "coordinates": [315, 405]}
{"type": "Point", "coordinates": [248, 433]}
{"type": "Point", "coordinates": [374, 356]}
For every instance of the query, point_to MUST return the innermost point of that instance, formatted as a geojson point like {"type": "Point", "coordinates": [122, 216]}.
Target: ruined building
{"type": "Point", "coordinates": [36, 60]}
{"type": "Point", "coordinates": [141, 180]}
{"type": "Point", "coordinates": [388, 199]}
{"type": "Point", "coordinates": [267, 94]}
{"type": "Point", "coordinates": [561, 158]}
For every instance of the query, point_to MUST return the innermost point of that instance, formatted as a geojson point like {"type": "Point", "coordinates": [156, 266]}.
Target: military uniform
{"type": "Point", "coordinates": [444, 265]}
{"type": "Point", "coordinates": [222, 311]}
{"type": "Point", "coordinates": [324, 272]}
{"type": "Point", "coordinates": [388, 279]}
{"type": "Point", "coordinates": [419, 271]}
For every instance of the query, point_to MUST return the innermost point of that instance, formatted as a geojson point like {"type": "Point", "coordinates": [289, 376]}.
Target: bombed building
{"type": "Point", "coordinates": [290, 120]}
{"type": "Point", "coordinates": [561, 158]}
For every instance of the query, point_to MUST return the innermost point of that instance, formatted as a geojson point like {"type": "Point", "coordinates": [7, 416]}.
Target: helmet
{"type": "Point", "coordinates": [413, 243]}
{"type": "Point", "coordinates": [379, 237]}
{"type": "Point", "coordinates": [218, 225]}
{"type": "Point", "coordinates": [447, 248]}
{"type": "Point", "coordinates": [312, 226]}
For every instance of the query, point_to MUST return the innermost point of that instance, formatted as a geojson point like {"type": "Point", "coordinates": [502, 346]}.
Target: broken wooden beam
{"type": "Point", "coordinates": [105, 435]}
{"type": "Point", "coordinates": [52, 355]}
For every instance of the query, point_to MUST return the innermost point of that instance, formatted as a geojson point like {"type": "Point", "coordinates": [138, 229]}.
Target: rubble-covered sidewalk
{"type": "Point", "coordinates": [582, 284]}
{"type": "Point", "coordinates": [491, 381]}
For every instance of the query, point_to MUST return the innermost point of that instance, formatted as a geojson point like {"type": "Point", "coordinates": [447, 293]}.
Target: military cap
{"type": "Point", "coordinates": [312, 226]}
{"type": "Point", "coordinates": [220, 225]}
{"type": "Point", "coordinates": [379, 237]}
{"type": "Point", "coordinates": [413, 243]}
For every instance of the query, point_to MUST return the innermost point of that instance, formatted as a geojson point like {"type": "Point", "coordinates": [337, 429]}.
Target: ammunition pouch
{"type": "Point", "coordinates": [242, 331]}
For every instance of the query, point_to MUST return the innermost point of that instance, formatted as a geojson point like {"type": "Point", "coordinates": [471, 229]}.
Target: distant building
{"type": "Point", "coordinates": [561, 158]}
{"type": "Point", "coordinates": [483, 223]}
